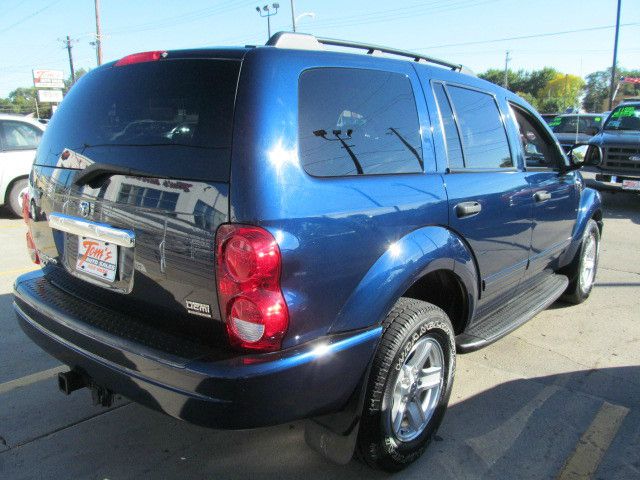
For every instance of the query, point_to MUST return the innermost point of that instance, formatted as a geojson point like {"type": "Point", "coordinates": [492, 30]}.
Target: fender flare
{"type": "Point", "coordinates": [589, 206]}
{"type": "Point", "coordinates": [418, 253]}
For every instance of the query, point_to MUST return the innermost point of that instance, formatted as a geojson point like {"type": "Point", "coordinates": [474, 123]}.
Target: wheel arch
{"type": "Point", "coordinates": [428, 257]}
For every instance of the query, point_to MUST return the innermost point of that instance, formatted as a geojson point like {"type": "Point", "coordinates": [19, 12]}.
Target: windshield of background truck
{"type": "Point", "coordinates": [624, 117]}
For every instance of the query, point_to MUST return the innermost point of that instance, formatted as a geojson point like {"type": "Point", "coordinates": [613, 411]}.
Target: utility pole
{"type": "Point", "coordinates": [506, 69]}
{"type": "Point", "coordinates": [615, 58]}
{"type": "Point", "coordinates": [293, 15]}
{"type": "Point", "coordinates": [69, 47]}
{"type": "Point", "coordinates": [98, 33]}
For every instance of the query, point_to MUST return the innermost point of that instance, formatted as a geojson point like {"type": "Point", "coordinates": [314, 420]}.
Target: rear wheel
{"type": "Point", "coordinates": [585, 266]}
{"type": "Point", "coordinates": [409, 385]}
{"type": "Point", "coordinates": [14, 196]}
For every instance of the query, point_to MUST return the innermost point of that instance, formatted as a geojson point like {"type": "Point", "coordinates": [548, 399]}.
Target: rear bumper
{"type": "Point", "coordinates": [215, 390]}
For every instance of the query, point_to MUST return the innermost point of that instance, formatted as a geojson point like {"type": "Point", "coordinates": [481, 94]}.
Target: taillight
{"type": "Point", "coordinates": [33, 252]}
{"type": "Point", "coordinates": [248, 264]}
{"type": "Point", "coordinates": [25, 207]}
{"type": "Point", "coordinates": [141, 58]}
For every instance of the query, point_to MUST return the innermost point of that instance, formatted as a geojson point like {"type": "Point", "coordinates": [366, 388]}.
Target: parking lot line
{"type": "Point", "coordinates": [593, 444]}
{"type": "Point", "coordinates": [18, 270]}
{"type": "Point", "coordinates": [29, 379]}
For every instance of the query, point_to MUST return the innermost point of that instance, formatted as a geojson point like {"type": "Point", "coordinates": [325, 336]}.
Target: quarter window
{"type": "Point", "coordinates": [357, 122]}
{"type": "Point", "coordinates": [20, 135]}
{"type": "Point", "coordinates": [484, 139]}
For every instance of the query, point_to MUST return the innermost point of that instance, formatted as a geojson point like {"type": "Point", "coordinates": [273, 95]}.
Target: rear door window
{"type": "Point", "coordinates": [357, 122]}
{"type": "Point", "coordinates": [172, 118]}
{"type": "Point", "coordinates": [484, 138]}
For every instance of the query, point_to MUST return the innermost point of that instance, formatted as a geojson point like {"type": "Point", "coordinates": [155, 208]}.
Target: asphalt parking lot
{"type": "Point", "coordinates": [558, 398]}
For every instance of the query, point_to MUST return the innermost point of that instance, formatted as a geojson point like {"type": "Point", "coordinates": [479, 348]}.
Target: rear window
{"type": "Point", "coordinates": [357, 122]}
{"type": "Point", "coordinates": [171, 118]}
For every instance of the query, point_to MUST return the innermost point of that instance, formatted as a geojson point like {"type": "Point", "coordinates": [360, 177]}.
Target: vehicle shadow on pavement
{"type": "Point", "coordinates": [524, 428]}
{"type": "Point", "coordinates": [622, 206]}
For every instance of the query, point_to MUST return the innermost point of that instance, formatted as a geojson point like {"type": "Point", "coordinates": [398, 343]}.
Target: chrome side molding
{"type": "Point", "coordinates": [99, 231]}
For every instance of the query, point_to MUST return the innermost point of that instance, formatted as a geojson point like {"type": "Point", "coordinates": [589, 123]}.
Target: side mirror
{"type": "Point", "coordinates": [585, 154]}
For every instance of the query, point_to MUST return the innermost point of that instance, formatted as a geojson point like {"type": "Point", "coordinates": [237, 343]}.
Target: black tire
{"type": "Point", "coordinates": [408, 322]}
{"type": "Point", "coordinates": [13, 202]}
{"type": "Point", "coordinates": [576, 291]}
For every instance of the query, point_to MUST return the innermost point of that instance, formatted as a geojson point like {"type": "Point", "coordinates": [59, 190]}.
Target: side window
{"type": "Point", "coordinates": [357, 122]}
{"type": "Point", "coordinates": [20, 135]}
{"type": "Point", "coordinates": [452, 138]}
{"type": "Point", "coordinates": [484, 139]}
{"type": "Point", "coordinates": [538, 148]}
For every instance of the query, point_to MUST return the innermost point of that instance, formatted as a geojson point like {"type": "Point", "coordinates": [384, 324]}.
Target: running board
{"type": "Point", "coordinates": [512, 314]}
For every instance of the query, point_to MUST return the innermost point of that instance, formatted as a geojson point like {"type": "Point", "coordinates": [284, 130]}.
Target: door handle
{"type": "Point", "coordinates": [467, 209]}
{"type": "Point", "coordinates": [542, 196]}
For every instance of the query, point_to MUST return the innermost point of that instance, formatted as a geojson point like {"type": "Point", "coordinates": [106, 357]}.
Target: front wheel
{"type": "Point", "coordinates": [586, 266]}
{"type": "Point", "coordinates": [409, 385]}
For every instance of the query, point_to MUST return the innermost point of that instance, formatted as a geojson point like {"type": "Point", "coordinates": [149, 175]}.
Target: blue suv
{"type": "Point", "coordinates": [241, 237]}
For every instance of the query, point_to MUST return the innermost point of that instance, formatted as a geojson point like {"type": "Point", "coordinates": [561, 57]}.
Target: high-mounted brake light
{"type": "Point", "coordinates": [248, 264]}
{"type": "Point", "coordinates": [141, 57]}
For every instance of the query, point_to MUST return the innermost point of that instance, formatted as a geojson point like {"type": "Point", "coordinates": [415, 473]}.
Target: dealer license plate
{"type": "Point", "coordinates": [631, 184]}
{"type": "Point", "coordinates": [97, 258]}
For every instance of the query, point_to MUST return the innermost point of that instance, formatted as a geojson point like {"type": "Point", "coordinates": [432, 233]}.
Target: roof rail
{"type": "Point", "coordinates": [306, 41]}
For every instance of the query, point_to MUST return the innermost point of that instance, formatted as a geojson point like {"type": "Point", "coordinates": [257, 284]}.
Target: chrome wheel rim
{"type": "Point", "coordinates": [589, 258]}
{"type": "Point", "coordinates": [417, 389]}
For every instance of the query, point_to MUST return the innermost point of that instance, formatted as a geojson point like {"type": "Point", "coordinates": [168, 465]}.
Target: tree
{"type": "Point", "coordinates": [597, 89]}
{"type": "Point", "coordinates": [529, 98]}
{"type": "Point", "coordinates": [566, 89]}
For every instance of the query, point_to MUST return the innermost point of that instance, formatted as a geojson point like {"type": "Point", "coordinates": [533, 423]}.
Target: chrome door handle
{"type": "Point", "coordinates": [542, 196]}
{"type": "Point", "coordinates": [467, 209]}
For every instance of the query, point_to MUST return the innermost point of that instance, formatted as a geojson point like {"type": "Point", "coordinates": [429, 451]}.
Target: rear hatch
{"type": "Point", "coordinates": [129, 185]}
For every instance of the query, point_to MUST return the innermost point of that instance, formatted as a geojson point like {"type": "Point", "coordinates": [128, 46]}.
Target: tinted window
{"type": "Point", "coordinates": [484, 139]}
{"type": "Point", "coordinates": [452, 139]}
{"type": "Point", "coordinates": [538, 149]}
{"type": "Point", "coordinates": [172, 118]}
{"type": "Point", "coordinates": [576, 124]}
{"type": "Point", "coordinates": [20, 135]}
{"type": "Point", "coordinates": [354, 122]}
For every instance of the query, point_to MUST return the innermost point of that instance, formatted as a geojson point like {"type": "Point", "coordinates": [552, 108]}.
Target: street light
{"type": "Point", "coordinates": [268, 13]}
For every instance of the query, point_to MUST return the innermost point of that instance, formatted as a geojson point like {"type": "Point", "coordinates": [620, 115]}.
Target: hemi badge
{"type": "Point", "coordinates": [200, 309]}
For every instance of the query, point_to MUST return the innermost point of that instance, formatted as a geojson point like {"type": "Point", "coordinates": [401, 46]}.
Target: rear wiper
{"type": "Point", "coordinates": [96, 173]}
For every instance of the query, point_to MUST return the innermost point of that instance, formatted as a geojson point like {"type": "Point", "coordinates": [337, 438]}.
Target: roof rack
{"type": "Point", "coordinates": [306, 41]}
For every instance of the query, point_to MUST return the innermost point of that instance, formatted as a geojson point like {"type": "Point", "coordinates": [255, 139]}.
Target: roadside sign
{"type": "Point", "coordinates": [51, 96]}
{"type": "Point", "coordinates": [48, 79]}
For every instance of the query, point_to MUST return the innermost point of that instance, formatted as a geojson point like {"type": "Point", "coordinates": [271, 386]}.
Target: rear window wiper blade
{"type": "Point", "coordinates": [96, 173]}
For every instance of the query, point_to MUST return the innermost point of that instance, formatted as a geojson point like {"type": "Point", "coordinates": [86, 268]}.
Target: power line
{"type": "Point", "coordinates": [24, 19]}
{"type": "Point", "coordinates": [182, 19]}
{"type": "Point", "coordinates": [523, 37]}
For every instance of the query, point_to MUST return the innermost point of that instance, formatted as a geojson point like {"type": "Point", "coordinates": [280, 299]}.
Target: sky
{"type": "Point", "coordinates": [476, 33]}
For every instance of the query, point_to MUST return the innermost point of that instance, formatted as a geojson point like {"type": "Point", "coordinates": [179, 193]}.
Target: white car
{"type": "Point", "coordinates": [19, 138]}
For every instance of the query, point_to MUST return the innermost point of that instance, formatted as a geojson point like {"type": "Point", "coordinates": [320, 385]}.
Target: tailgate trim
{"type": "Point", "coordinates": [99, 231]}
